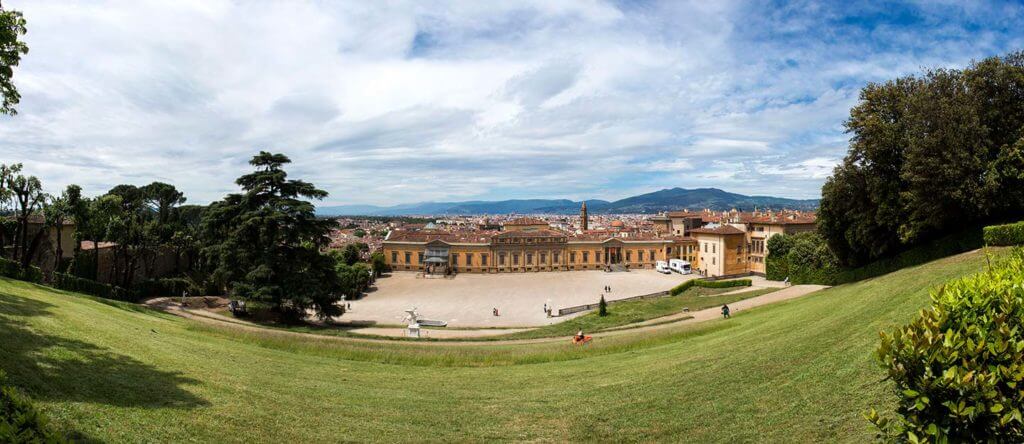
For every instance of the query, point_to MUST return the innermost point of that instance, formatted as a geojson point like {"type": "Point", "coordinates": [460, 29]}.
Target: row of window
{"type": "Point", "coordinates": [555, 257]}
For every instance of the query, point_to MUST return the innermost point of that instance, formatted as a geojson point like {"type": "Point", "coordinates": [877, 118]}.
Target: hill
{"type": "Point", "coordinates": [663, 200]}
{"type": "Point", "coordinates": [798, 371]}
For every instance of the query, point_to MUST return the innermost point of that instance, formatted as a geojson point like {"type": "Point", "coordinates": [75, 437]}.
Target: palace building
{"type": "Point", "coordinates": [716, 244]}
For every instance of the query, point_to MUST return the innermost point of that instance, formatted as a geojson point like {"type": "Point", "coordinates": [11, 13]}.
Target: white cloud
{"type": "Point", "coordinates": [404, 101]}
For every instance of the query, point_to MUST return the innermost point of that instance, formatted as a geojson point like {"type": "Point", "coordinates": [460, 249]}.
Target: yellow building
{"type": "Point", "coordinates": [525, 250]}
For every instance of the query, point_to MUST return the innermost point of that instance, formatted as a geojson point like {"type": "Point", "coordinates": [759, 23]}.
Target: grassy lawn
{"type": "Point", "coordinates": [625, 313]}
{"type": "Point", "coordinates": [796, 371]}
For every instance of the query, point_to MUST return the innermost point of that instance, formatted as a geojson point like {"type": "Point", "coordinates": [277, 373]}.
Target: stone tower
{"type": "Point", "coordinates": [583, 217]}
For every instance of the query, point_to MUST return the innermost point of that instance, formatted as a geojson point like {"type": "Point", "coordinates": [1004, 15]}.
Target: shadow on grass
{"type": "Point", "coordinates": [60, 369]}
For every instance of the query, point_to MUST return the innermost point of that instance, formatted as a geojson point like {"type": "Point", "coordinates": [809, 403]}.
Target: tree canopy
{"type": "Point", "coordinates": [12, 28]}
{"type": "Point", "coordinates": [928, 155]}
{"type": "Point", "coordinates": [265, 242]}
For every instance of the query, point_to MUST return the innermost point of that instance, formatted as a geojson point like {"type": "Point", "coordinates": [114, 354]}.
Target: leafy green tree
{"type": "Point", "coordinates": [264, 243]}
{"type": "Point", "coordinates": [350, 254]}
{"type": "Point", "coordinates": [12, 28]}
{"type": "Point", "coordinates": [378, 264]}
{"type": "Point", "coordinates": [602, 307]}
{"type": "Point", "coordinates": [28, 195]}
{"type": "Point", "coordinates": [57, 213]}
{"type": "Point", "coordinates": [928, 155]}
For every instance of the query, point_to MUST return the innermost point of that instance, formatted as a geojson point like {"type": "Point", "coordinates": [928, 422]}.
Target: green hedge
{"type": "Point", "coordinates": [967, 240]}
{"type": "Point", "coordinates": [709, 284]}
{"type": "Point", "coordinates": [68, 282]}
{"type": "Point", "coordinates": [20, 421]}
{"type": "Point", "coordinates": [1005, 235]}
{"type": "Point", "coordinates": [13, 270]}
{"type": "Point", "coordinates": [958, 368]}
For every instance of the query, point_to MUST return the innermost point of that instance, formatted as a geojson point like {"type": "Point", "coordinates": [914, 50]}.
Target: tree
{"type": "Point", "coordinates": [350, 254]}
{"type": "Point", "coordinates": [28, 196]}
{"type": "Point", "coordinates": [928, 155]}
{"type": "Point", "coordinates": [12, 27]}
{"type": "Point", "coordinates": [378, 264]}
{"type": "Point", "coordinates": [602, 307]}
{"type": "Point", "coordinates": [265, 242]}
{"type": "Point", "coordinates": [57, 212]}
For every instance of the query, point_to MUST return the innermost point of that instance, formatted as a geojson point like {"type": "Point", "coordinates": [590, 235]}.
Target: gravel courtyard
{"type": "Point", "coordinates": [468, 299]}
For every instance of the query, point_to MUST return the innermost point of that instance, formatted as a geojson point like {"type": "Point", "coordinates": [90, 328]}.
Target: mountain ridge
{"type": "Point", "coordinates": [668, 199]}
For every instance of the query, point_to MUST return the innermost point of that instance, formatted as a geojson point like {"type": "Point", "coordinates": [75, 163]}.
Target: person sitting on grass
{"type": "Point", "coordinates": [725, 311]}
{"type": "Point", "coordinates": [579, 336]}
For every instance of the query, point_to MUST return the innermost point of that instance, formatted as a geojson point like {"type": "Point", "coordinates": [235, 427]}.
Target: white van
{"type": "Point", "coordinates": [662, 267]}
{"type": "Point", "coordinates": [679, 266]}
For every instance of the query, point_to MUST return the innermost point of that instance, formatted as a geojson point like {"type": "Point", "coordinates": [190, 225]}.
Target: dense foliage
{"type": "Point", "coordinates": [803, 258]}
{"type": "Point", "coordinates": [958, 368]}
{"type": "Point", "coordinates": [14, 270]}
{"type": "Point", "coordinates": [1004, 235]}
{"type": "Point", "coordinates": [72, 283]}
{"type": "Point", "coordinates": [264, 243]}
{"type": "Point", "coordinates": [928, 155]}
{"type": "Point", "coordinates": [20, 421]}
{"type": "Point", "coordinates": [12, 47]}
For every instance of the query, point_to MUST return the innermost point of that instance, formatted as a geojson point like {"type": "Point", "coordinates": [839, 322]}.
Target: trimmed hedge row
{"type": "Point", "coordinates": [1005, 235]}
{"type": "Point", "coordinates": [709, 284]}
{"type": "Point", "coordinates": [13, 270]}
{"type": "Point", "coordinates": [20, 421]}
{"type": "Point", "coordinates": [68, 282]}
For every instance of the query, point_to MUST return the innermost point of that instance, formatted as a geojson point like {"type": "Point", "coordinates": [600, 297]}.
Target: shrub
{"type": "Point", "coordinates": [602, 307]}
{"type": "Point", "coordinates": [949, 245]}
{"type": "Point", "coordinates": [20, 421]}
{"type": "Point", "coordinates": [958, 367]}
{"type": "Point", "coordinates": [13, 270]}
{"type": "Point", "coordinates": [68, 282]}
{"type": "Point", "coordinates": [709, 284]}
{"type": "Point", "coordinates": [1003, 235]}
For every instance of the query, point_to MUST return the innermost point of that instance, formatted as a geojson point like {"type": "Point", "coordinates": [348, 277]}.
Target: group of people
{"type": "Point", "coordinates": [607, 288]}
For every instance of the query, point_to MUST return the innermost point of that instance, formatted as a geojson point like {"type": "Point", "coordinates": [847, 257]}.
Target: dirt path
{"type": "Point", "coordinates": [656, 324]}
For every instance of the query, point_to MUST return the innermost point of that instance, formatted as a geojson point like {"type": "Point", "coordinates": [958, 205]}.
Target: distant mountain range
{"type": "Point", "coordinates": [658, 201]}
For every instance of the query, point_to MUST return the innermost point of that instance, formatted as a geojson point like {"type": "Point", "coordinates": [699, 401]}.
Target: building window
{"type": "Point", "coordinates": [705, 247]}
{"type": "Point", "coordinates": [629, 255]}
{"type": "Point", "coordinates": [652, 255]}
{"type": "Point", "coordinates": [515, 258]}
{"type": "Point", "coordinates": [469, 259]}
{"type": "Point", "coordinates": [712, 260]}
{"type": "Point", "coordinates": [394, 257]}
{"type": "Point", "coordinates": [419, 258]}
{"type": "Point", "coordinates": [455, 259]}
{"type": "Point", "coordinates": [501, 259]}
{"type": "Point", "coordinates": [739, 249]}
{"type": "Point", "coordinates": [543, 258]}
{"type": "Point", "coordinates": [668, 250]}
{"type": "Point", "coordinates": [640, 256]}
{"type": "Point", "coordinates": [713, 248]}
{"type": "Point", "coordinates": [529, 258]}
{"type": "Point", "coordinates": [554, 257]}
{"type": "Point", "coordinates": [597, 256]}
{"type": "Point", "coordinates": [483, 259]}
{"type": "Point", "coordinates": [408, 257]}
{"type": "Point", "coordinates": [572, 257]}
{"type": "Point", "coordinates": [586, 257]}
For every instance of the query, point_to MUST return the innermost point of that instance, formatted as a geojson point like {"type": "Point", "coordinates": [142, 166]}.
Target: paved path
{"type": "Point", "coordinates": [657, 324]}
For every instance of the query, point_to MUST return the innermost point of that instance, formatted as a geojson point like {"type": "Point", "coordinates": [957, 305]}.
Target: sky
{"type": "Point", "coordinates": [389, 102]}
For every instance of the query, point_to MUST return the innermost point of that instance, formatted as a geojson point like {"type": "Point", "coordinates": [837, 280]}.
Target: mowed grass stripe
{"type": "Point", "coordinates": [797, 371]}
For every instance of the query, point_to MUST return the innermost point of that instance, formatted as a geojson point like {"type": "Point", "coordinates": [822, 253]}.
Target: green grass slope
{"type": "Point", "coordinates": [797, 371]}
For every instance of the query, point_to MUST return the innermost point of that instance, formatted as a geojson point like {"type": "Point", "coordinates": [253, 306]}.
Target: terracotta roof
{"type": "Point", "coordinates": [527, 221]}
{"type": "Point", "coordinates": [481, 237]}
{"type": "Point", "coordinates": [721, 229]}
{"type": "Point", "coordinates": [532, 233]}
{"type": "Point", "coordinates": [89, 245]}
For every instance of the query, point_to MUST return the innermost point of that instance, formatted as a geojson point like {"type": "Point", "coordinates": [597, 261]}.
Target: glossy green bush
{"type": "Point", "coordinates": [72, 283]}
{"type": "Point", "coordinates": [1005, 235]}
{"type": "Point", "coordinates": [958, 368]}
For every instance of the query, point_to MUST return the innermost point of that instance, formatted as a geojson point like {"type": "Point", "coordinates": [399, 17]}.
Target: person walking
{"type": "Point", "coordinates": [725, 311]}
{"type": "Point", "coordinates": [545, 307]}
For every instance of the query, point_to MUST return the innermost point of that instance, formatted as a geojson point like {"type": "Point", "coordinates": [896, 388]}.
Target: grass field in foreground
{"type": "Point", "coordinates": [796, 371]}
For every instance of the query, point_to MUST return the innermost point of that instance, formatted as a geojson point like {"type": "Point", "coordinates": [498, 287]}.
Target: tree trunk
{"type": "Point", "coordinates": [60, 250]}
{"type": "Point", "coordinates": [96, 259]}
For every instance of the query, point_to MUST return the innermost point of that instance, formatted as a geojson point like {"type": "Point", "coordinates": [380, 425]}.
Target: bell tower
{"type": "Point", "coordinates": [583, 217]}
